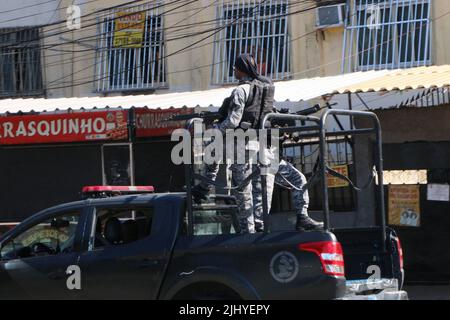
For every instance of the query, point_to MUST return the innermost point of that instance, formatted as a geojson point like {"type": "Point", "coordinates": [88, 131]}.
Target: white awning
{"type": "Point", "coordinates": [286, 91]}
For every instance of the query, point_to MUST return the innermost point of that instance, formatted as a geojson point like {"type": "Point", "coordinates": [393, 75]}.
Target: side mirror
{"type": "Point", "coordinates": [24, 252]}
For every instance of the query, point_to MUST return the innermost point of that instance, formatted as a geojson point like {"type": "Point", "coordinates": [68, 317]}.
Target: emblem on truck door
{"type": "Point", "coordinates": [284, 267]}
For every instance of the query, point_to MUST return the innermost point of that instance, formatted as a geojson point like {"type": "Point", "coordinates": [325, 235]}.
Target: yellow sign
{"type": "Point", "coordinates": [404, 205]}
{"type": "Point", "coordinates": [129, 29]}
{"type": "Point", "coordinates": [334, 182]}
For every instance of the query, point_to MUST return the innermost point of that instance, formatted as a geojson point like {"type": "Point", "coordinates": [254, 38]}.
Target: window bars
{"type": "Point", "coordinates": [20, 63]}
{"type": "Point", "coordinates": [130, 50]}
{"type": "Point", "coordinates": [387, 34]}
{"type": "Point", "coordinates": [257, 27]}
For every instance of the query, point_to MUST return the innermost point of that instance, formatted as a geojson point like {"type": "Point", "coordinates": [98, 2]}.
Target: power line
{"type": "Point", "coordinates": [50, 47]}
{"type": "Point", "coordinates": [83, 16]}
{"type": "Point", "coordinates": [113, 19]}
{"type": "Point", "coordinates": [191, 46]}
{"type": "Point", "coordinates": [26, 7]}
{"type": "Point", "coordinates": [303, 71]}
{"type": "Point", "coordinates": [94, 53]}
{"type": "Point", "coordinates": [41, 13]}
{"type": "Point", "coordinates": [291, 40]}
{"type": "Point", "coordinates": [171, 54]}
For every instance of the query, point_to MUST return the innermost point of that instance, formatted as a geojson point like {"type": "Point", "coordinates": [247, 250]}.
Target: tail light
{"type": "Point", "coordinates": [400, 251]}
{"type": "Point", "coordinates": [330, 255]}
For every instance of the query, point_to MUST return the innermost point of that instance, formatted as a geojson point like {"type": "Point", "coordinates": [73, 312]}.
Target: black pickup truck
{"type": "Point", "coordinates": [163, 246]}
{"type": "Point", "coordinates": [139, 247]}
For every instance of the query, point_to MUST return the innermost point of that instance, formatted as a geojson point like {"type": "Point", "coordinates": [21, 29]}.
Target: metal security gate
{"type": "Point", "coordinates": [304, 156]}
{"type": "Point", "coordinates": [256, 27]}
{"type": "Point", "coordinates": [387, 34]}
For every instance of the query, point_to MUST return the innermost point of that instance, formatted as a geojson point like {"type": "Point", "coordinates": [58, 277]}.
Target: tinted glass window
{"type": "Point", "coordinates": [53, 236]}
{"type": "Point", "coordinates": [215, 222]}
{"type": "Point", "coordinates": [118, 226]}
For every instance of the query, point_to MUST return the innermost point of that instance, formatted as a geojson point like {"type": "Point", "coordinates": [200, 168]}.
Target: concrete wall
{"type": "Point", "coordinates": [441, 26]}
{"type": "Point", "coordinates": [24, 13]}
{"type": "Point", "coordinates": [414, 124]}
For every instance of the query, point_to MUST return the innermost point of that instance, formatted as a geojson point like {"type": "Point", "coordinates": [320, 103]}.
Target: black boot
{"type": "Point", "coordinates": [199, 193]}
{"type": "Point", "coordinates": [305, 223]}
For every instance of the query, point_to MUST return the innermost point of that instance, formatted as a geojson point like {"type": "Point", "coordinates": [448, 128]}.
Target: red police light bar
{"type": "Point", "coordinates": [122, 189]}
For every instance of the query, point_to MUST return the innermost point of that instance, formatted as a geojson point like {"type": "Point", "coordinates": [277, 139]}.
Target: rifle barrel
{"type": "Point", "coordinates": [202, 115]}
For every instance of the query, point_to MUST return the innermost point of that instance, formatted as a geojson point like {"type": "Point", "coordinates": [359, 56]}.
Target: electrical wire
{"type": "Point", "coordinates": [49, 46]}
{"type": "Point", "coordinates": [291, 40]}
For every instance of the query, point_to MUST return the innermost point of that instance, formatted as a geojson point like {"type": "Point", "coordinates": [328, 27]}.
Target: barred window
{"type": "Point", "coordinates": [20, 63]}
{"type": "Point", "coordinates": [385, 34]}
{"type": "Point", "coordinates": [256, 27]}
{"type": "Point", "coordinates": [130, 51]}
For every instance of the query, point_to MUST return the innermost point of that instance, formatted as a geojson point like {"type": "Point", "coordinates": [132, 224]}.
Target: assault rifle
{"type": "Point", "coordinates": [206, 115]}
{"type": "Point", "coordinates": [211, 116]}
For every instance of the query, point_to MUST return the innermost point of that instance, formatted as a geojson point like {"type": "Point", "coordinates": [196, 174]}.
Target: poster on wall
{"type": "Point", "coordinates": [129, 29]}
{"type": "Point", "coordinates": [335, 182]}
{"type": "Point", "coordinates": [438, 192]}
{"type": "Point", "coordinates": [404, 205]}
{"type": "Point", "coordinates": [64, 127]}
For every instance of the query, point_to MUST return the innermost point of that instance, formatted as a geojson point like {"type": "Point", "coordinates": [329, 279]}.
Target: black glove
{"type": "Point", "coordinates": [295, 137]}
{"type": "Point", "coordinates": [223, 110]}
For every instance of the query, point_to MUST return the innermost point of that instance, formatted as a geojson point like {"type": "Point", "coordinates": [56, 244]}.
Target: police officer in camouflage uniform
{"type": "Point", "coordinates": [245, 105]}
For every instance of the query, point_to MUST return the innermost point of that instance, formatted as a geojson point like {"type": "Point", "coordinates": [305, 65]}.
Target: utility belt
{"type": "Point", "coordinates": [246, 126]}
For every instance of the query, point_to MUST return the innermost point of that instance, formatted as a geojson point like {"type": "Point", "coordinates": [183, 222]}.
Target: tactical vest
{"type": "Point", "coordinates": [259, 102]}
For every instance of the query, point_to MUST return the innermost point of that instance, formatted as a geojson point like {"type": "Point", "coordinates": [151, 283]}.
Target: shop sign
{"type": "Point", "coordinates": [67, 127]}
{"type": "Point", "coordinates": [153, 123]}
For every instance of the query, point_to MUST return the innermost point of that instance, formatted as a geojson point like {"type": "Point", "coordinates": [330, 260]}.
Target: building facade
{"type": "Point", "coordinates": [128, 47]}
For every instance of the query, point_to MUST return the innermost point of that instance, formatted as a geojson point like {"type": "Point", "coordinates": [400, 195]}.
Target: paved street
{"type": "Point", "coordinates": [428, 292]}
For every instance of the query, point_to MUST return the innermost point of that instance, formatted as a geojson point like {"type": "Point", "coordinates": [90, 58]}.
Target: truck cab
{"type": "Point", "coordinates": [137, 244]}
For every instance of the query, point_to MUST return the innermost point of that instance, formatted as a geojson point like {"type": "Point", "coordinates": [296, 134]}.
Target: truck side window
{"type": "Point", "coordinates": [215, 222]}
{"type": "Point", "coordinates": [117, 226]}
{"type": "Point", "coordinates": [50, 237]}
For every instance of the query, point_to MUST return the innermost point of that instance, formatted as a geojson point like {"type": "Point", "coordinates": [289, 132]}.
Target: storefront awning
{"type": "Point", "coordinates": [286, 91]}
{"type": "Point", "coordinates": [403, 79]}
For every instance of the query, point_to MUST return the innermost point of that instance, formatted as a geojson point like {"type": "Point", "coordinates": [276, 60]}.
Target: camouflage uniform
{"type": "Point", "coordinates": [257, 193]}
{"type": "Point", "coordinates": [239, 171]}
{"type": "Point", "coordinates": [300, 199]}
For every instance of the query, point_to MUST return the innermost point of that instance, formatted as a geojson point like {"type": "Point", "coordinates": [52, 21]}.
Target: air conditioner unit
{"type": "Point", "coordinates": [330, 16]}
